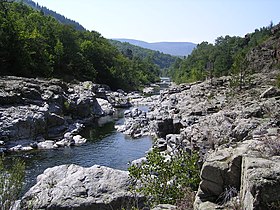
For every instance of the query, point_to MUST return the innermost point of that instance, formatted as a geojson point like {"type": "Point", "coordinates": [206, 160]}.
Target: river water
{"type": "Point", "coordinates": [105, 146]}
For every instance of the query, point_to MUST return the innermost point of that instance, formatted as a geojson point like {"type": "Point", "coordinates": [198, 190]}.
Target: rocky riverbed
{"type": "Point", "coordinates": [46, 114]}
{"type": "Point", "coordinates": [236, 132]}
{"type": "Point", "coordinates": [40, 114]}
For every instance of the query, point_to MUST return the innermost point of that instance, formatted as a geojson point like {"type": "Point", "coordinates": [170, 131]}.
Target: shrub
{"type": "Point", "coordinates": [163, 180]}
{"type": "Point", "coordinates": [11, 182]}
{"type": "Point", "coordinates": [278, 81]}
{"type": "Point", "coordinates": [273, 205]}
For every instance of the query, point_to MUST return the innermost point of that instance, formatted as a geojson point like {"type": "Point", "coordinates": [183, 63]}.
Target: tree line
{"type": "Point", "coordinates": [33, 44]}
{"type": "Point", "coordinates": [164, 61]}
{"type": "Point", "coordinates": [227, 56]}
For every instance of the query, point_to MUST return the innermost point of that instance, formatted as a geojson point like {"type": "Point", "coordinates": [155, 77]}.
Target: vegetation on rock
{"type": "Point", "coordinates": [11, 182]}
{"type": "Point", "coordinates": [164, 180]}
{"type": "Point", "coordinates": [278, 81]}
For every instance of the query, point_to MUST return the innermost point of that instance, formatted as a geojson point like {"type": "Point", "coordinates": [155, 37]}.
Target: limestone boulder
{"type": "Point", "coordinates": [83, 105]}
{"type": "Point", "coordinates": [260, 183]}
{"type": "Point", "coordinates": [164, 127]}
{"type": "Point", "coordinates": [118, 99]}
{"type": "Point", "coordinates": [47, 145]}
{"type": "Point", "coordinates": [78, 139]}
{"type": "Point", "coordinates": [248, 170]}
{"type": "Point", "coordinates": [221, 169]}
{"type": "Point", "coordinates": [106, 107]}
{"type": "Point", "coordinates": [75, 187]}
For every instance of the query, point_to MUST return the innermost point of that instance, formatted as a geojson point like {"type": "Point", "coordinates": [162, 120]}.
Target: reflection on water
{"type": "Point", "coordinates": [105, 146]}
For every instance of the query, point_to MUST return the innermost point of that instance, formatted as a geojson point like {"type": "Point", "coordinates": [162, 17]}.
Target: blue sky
{"type": "Point", "coordinates": [169, 20]}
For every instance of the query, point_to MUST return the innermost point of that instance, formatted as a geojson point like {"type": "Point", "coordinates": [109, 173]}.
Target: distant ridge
{"type": "Point", "coordinates": [172, 48]}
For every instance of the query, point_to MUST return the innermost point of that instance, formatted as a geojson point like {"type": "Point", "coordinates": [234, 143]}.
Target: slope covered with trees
{"type": "Point", "coordinates": [132, 51]}
{"type": "Point", "coordinates": [35, 45]}
{"type": "Point", "coordinates": [57, 16]}
{"type": "Point", "coordinates": [226, 57]}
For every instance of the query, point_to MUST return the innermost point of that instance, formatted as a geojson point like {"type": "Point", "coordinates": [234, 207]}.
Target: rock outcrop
{"type": "Point", "coordinates": [75, 187]}
{"type": "Point", "coordinates": [135, 124]}
{"type": "Point", "coordinates": [247, 175]}
{"type": "Point", "coordinates": [230, 128]}
{"type": "Point", "coordinates": [44, 114]}
{"type": "Point", "coordinates": [260, 183]}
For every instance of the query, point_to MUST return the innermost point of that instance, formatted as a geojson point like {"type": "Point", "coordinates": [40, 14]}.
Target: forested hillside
{"type": "Point", "coordinates": [132, 51]}
{"type": "Point", "coordinates": [226, 57]}
{"type": "Point", "coordinates": [57, 16]}
{"type": "Point", "coordinates": [36, 45]}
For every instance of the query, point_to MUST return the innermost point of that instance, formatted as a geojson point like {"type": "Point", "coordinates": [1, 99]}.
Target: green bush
{"type": "Point", "coordinates": [163, 180]}
{"type": "Point", "coordinates": [11, 182]}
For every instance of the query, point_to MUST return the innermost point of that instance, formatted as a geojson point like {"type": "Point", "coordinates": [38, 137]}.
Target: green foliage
{"type": "Point", "coordinates": [163, 180]}
{"type": "Point", "coordinates": [220, 59]}
{"type": "Point", "coordinates": [162, 60]}
{"type": "Point", "coordinates": [240, 73]}
{"type": "Point", "coordinates": [66, 105]}
{"type": "Point", "coordinates": [273, 205]}
{"type": "Point", "coordinates": [11, 182]}
{"type": "Point", "coordinates": [35, 45]}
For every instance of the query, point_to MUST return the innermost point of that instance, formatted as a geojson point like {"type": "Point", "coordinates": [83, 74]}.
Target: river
{"type": "Point", "coordinates": [105, 146]}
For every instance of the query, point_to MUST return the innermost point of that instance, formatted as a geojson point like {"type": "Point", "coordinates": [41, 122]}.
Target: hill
{"type": "Point", "coordinates": [37, 45]}
{"type": "Point", "coordinates": [172, 48]}
{"type": "Point", "coordinates": [227, 56]}
{"type": "Point", "coordinates": [59, 17]}
{"type": "Point", "coordinates": [164, 61]}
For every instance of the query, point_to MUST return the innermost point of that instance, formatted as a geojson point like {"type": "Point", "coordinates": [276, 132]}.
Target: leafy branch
{"type": "Point", "coordinates": [162, 180]}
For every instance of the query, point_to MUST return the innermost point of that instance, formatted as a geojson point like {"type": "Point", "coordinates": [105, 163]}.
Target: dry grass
{"type": "Point", "coordinates": [227, 195]}
{"type": "Point", "coordinates": [187, 201]}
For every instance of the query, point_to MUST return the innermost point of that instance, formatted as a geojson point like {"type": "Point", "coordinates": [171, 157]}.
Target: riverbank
{"type": "Point", "coordinates": [236, 133]}
{"type": "Point", "coordinates": [47, 114]}
{"type": "Point", "coordinates": [50, 123]}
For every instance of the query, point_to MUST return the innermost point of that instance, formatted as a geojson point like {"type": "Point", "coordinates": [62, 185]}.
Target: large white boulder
{"type": "Point", "coordinates": [76, 187]}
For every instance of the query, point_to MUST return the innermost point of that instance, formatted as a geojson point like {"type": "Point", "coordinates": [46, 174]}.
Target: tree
{"type": "Point", "coordinates": [240, 70]}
